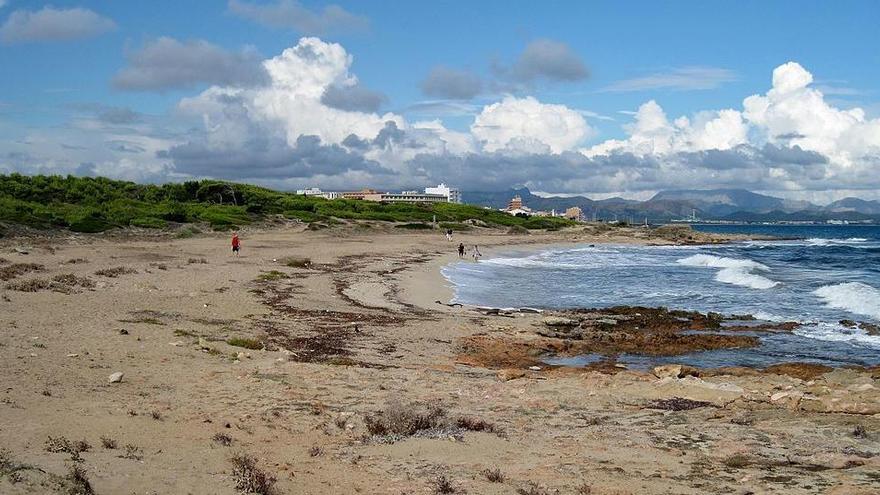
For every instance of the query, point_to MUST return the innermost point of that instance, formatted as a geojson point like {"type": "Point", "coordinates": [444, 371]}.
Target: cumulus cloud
{"type": "Point", "coordinates": [528, 125]}
{"type": "Point", "coordinates": [446, 82]}
{"type": "Point", "coordinates": [550, 60]}
{"type": "Point", "coordinates": [290, 14]}
{"type": "Point", "coordinates": [166, 63]}
{"type": "Point", "coordinates": [679, 79]}
{"type": "Point", "coordinates": [354, 98]}
{"type": "Point", "coordinates": [52, 24]}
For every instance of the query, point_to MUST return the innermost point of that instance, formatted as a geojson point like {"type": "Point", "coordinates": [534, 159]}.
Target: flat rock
{"type": "Point", "coordinates": [115, 377]}
{"type": "Point", "coordinates": [556, 321]}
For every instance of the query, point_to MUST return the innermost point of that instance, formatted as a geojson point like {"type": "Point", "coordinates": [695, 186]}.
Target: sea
{"type": "Point", "coordinates": [817, 276]}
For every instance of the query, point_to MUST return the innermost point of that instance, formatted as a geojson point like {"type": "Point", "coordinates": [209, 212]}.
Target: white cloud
{"type": "Point", "coordinates": [525, 124]}
{"type": "Point", "coordinates": [290, 14]}
{"type": "Point", "coordinates": [51, 24]}
{"type": "Point", "coordinates": [794, 113]}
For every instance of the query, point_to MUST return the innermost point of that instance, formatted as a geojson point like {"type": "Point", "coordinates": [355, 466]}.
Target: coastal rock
{"type": "Point", "coordinates": [556, 321]}
{"type": "Point", "coordinates": [115, 377]}
{"type": "Point", "coordinates": [719, 386]}
{"type": "Point", "coordinates": [674, 371]}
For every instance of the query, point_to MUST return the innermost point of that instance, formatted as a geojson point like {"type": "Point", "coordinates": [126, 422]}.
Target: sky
{"type": "Point", "coordinates": [596, 98]}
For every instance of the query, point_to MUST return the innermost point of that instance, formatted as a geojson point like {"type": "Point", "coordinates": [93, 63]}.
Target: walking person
{"type": "Point", "coordinates": [461, 250]}
{"type": "Point", "coordinates": [476, 253]}
{"type": "Point", "coordinates": [236, 244]}
{"type": "Point", "coordinates": [449, 235]}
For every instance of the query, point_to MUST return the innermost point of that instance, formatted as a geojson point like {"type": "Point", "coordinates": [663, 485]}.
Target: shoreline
{"type": "Point", "coordinates": [300, 352]}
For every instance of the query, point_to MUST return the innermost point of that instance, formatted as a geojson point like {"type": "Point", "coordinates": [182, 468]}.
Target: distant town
{"type": "Point", "coordinates": [441, 193]}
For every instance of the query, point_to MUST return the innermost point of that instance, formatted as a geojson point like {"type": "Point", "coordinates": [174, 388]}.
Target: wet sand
{"type": "Point", "coordinates": [350, 336]}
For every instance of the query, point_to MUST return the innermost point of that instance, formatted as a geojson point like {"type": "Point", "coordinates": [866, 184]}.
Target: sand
{"type": "Point", "coordinates": [352, 333]}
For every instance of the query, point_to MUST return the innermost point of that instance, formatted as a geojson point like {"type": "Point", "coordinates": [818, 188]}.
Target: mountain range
{"type": "Point", "coordinates": [712, 204]}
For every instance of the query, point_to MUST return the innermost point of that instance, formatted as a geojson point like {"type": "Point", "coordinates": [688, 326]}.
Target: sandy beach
{"type": "Point", "coordinates": [325, 358]}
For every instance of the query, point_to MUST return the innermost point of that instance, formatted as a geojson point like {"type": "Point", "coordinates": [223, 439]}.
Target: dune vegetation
{"type": "Point", "coordinates": [96, 204]}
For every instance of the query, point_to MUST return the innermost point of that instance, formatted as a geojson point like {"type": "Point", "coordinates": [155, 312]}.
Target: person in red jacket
{"type": "Point", "coordinates": [236, 244]}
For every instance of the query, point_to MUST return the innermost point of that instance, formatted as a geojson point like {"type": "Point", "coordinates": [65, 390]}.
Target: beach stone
{"type": "Point", "coordinates": [115, 377]}
{"type": "Point", "coordinates": [720, 386]}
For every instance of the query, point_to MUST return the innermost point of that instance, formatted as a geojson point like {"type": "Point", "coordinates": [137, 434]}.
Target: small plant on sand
{"type": "Point", "coordinates": [860, 431]}
{"type": "Point", "coordinates": [115, 271]}
{"type": "Point", "coordinates": [131, 451]}
{"type": "Point", "coordinates": [443, 484]}
{"type": "Point", "coordinates": [76, 261]}
{"type": "Point", "coordinates": [316, 451]}
{"type": "Point", "coordinates": [397, 419]}
{"type": "Point", "coordinates": [77, 482]}
{"type": "Point", "coordinates": [271, 276]}
{"type": "Point", "coordinates": [533, 488]}
{"type": "Point", "coordinates": [108, 443]}
{"type": "Point", "coordinates": [16, 269]}
{"type": "Point", "coordinates": [252, 344]}
{"type": "Point", "coordinates": [248, 477]}
{"type": "Point", "coordinates": [471, 423]}
{"type": "Point", "coordinates": [62, 444]}
{"type": "Point", "coordinates": [493, 475]}
{"type": "Point", "coordinates": [156, 415]}
{"type": "Point", "coordinates": [296, 262]}
{"type": "Point", "coordinates": [195, 261]}
{"type": "Point", "coordinates": [222, 439]}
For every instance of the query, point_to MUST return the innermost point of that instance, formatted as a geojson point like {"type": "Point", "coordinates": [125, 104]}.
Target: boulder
{"type": "Point", "coordinates": [115, 377]}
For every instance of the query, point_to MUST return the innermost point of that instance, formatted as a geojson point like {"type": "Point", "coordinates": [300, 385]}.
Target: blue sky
{"type": "Point", "coordinates": [69, 66]}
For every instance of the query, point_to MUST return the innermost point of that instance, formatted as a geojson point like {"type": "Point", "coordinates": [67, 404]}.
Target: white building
{"type": "Point", "coordinates": [312, 191]}
{"type": "Point", "coordinates": [452, 194]}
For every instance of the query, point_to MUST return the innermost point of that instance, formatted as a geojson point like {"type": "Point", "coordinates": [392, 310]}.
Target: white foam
{"type": "Point", "coordinates": [733, 271]}
{"type": "Point", "coordinates": [854, 297]}
{"type": "Point", "coordinates": [834, 332]}
{"type": "Point", "coordinates": [819, 241]}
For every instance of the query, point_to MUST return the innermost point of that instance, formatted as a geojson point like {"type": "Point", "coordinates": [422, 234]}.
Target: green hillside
{"type": "Point", "coordinates": [86, 204]}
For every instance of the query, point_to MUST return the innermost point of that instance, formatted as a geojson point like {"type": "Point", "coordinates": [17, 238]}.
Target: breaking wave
{"type": "Point", "coordinates": [854, 297]}
{"type": "Point", "coordinates": [733, 271]}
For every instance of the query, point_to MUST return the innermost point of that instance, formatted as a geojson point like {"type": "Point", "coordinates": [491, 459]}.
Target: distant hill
{"type": "Point", "coordinates": [711, 204]}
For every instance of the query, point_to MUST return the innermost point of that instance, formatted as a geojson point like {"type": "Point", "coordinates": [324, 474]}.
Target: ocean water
{"type": "Point", "coordinates": [822, 275]}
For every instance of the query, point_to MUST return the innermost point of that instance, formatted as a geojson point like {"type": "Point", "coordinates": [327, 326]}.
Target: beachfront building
{"type": "Point", "coordinates": [312, 191]}
{"type": "Point", "coordinates": [574, 213]}
{"type": "Point", "coordinates": [362, 194]}
{"type": "Point", "coordinates": [452, 194]}
{"type": "Point", "coordinates": [514, 204]}
{"type": "Point", "coordinates": [406, 197]}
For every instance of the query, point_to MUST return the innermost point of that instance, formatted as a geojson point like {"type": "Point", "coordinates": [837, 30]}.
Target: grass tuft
{"type": "Point", "coordinates": [252, 344]}
{"type": "Point", "coordinates": [493, 475]}
{"type": "Point", "coordinates": [249, 478]}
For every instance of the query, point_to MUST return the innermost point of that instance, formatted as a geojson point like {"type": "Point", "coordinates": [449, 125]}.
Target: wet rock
{"type": "Point", "coordinates": [115, 377]}
{"type": "Point", "coordinates": [803, 371]}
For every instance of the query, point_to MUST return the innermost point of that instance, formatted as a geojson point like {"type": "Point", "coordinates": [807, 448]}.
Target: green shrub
{"type": "Point", "coordinates": [149, 223]}
{"type": "Point", "coordinates": [414, 226]}
{"type": "Point", "coordinates": [460, 227]}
